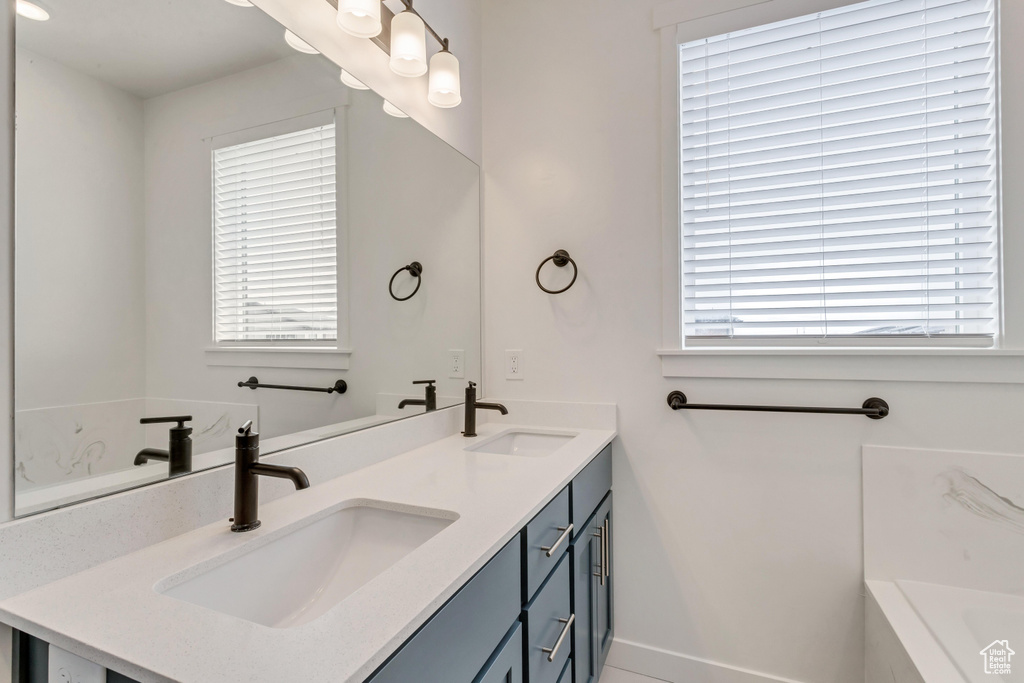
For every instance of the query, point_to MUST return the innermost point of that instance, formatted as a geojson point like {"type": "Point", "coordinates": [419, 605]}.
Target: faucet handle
{"type": "Point", "coordinates": [180, 419]}
{"type": "Point", "coordinates": [472, 384]}
{"type": "Point", "coordinates": [424, 381]}
{"type": "Point", "coordinates": [245, 428]}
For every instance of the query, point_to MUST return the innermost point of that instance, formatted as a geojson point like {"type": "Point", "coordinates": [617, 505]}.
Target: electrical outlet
{"type": "Point", "coordinates": [456, 363]}
{"type": "Point", "coordinates": [513, 363]}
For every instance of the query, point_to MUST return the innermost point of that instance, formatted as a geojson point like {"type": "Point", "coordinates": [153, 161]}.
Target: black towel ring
{"type": "Point", "coordinates": [415, 269]}
{"type": "Point", "coordinates": [560, 258]}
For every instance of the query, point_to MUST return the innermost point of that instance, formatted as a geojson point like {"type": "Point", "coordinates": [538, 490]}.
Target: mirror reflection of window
{"type": "Point", "coordinates": [275, 238]}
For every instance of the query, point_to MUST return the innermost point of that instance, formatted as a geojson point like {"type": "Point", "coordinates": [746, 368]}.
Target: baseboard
{"type": "Point", "coordinates": [675, 667]}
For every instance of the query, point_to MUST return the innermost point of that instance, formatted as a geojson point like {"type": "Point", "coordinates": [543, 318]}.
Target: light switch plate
{"type": "Point", "coordinates": [65, 667]}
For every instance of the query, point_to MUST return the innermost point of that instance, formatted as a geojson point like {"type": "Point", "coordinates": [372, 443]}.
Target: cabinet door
{"type": "Point", "coordinates": [506, 664]}
{"type": "Point", "coordinates": [586, 563]}
{"type": "Point", "coordinates": [604, 621]}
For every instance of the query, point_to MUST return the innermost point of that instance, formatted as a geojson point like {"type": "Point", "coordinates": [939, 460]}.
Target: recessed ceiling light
{"type": "Point", "coordinates": [31, 11]}
{"type": "Point", "coordinates": [299, 44]}
{"type": "Point", "coordinates": [394, 111]}
{"type": "Point", "coordinates": [241, 3]}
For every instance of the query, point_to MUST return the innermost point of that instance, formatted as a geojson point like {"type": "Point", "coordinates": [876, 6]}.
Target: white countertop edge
{"type": "Point", "coordinates": [921, 646]}
{"type": "Point", "coordinates": [36, 611]}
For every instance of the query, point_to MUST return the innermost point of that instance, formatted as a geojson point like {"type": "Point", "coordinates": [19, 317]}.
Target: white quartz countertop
{"type": "Point", "coordinates": [112, 614]}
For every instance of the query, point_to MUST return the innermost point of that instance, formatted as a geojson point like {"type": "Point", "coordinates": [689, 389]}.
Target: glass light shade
{"type": "Point", "coordinates": [31, 11]}
{"type": "Point", "coordinates": [360, 18]}
{"type": "Point", "coordinates": [394, 111]}
{"type": "Point", "coordinates": [445, 86]}
{"type": "Point", "coordinates": [299, 44]}
{"type": "Point", "coordinates": [352, 82]}
{"type": "Point", "coordinates": [241, 3]}
{"type": "Point", "coordinates": [408, 45]}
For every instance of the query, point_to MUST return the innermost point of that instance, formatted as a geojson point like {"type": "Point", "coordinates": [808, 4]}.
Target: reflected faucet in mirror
{"type": "Point", "coordinates": [178, 455]}
{"type": "Point", "coordinates": [429, 400]}
{"type": "Point", "coordinates": [248, 469]}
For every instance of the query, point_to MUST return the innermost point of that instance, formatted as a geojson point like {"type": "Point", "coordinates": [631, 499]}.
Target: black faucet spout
{"type": "Point", "coordinates": [411, 402]}
{"type": "Point", "coordinates": [147, 454]}
{"type": "Point", "coordinates": [297, 476]}
{"type": "Point", "coordinates": [492, 406]}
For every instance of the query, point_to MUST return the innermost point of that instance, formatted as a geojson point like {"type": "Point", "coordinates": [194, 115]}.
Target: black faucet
{"type": "Point", "coordinates": [471, 406]}
{"type": "Point", "coordinates": [178, 455]}
{"type": "Point", "coordinates": [430, 400]}
{"type": "Point", "coordinates": [248, 468]}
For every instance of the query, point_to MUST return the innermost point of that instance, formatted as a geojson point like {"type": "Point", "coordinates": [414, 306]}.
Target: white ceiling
{"type": "Point", "coordinates": [152, 47]}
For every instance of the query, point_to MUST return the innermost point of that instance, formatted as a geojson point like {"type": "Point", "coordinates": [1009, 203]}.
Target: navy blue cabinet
{"type": "Point", "coordinates": [506, 664]}
{"type": "Point", "coordinates": [604, 621]}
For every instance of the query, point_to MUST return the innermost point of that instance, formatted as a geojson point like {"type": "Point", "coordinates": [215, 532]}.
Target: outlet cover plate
{"type": "Point", "coordinates": [456, 363]}
{"type": "Point", "coordinates": [513, 364]}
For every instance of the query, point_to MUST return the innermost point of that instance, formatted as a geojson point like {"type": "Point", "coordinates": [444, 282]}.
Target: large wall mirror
{"type": "Point", "coordinates": [200, 203]}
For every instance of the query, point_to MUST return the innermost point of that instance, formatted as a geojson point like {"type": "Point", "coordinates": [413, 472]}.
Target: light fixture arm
{"type": "Point", "coordinates": [443, 42]}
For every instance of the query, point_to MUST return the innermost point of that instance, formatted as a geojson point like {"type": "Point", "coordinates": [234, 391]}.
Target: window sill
{"type": "Point", "coordinates": [283, 357]}
{"type": "Point", "coordinates": [996, 366]}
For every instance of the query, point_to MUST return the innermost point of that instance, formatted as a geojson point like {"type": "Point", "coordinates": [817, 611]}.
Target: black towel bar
{"type": "Point", "coordinates": [340, 387]}
{"type": "Point", "coordinates": [873, 408]}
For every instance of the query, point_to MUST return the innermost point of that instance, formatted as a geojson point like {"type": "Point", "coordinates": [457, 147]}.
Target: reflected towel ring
{"type": "Point", "coordinates": [560, 258]}
{"type": "Point", "coordinates": [415, 269]}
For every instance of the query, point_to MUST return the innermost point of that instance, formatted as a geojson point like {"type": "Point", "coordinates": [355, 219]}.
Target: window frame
{"type": "Point", "coordinates": [679, 22]}
{"type": "Point", "coordinates": [311, 354]}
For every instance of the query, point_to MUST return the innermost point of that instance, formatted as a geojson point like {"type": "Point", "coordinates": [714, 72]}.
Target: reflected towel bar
{"type": "Point", "coordinates": [340, 387]}
{"type": "Point", "coordinates": [873, 408]}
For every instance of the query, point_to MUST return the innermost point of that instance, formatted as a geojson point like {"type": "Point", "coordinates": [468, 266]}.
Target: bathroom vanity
{"type": "Point", "coordinates": [464, 559]}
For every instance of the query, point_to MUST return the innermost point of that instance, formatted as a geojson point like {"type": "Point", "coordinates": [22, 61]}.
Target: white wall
{"type": "Point", "coordinates": [738, 536]}
{"type": "Point", "coordinates": [80, 291]}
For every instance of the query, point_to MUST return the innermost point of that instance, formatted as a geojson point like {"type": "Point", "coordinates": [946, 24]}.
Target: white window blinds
{"type": "Point", "coordinates": [275, 245]}
{"type": "Point", "coordinates": [839, 175]}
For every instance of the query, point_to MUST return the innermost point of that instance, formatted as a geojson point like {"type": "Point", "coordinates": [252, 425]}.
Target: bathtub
{"type": "Point", "coordinates": [943, 631]}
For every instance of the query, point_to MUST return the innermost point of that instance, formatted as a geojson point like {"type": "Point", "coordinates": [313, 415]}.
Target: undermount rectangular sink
{"type": "Point", "coordinates": [298, 577]}
{"type": "Point", "coordinates": [527, 444]}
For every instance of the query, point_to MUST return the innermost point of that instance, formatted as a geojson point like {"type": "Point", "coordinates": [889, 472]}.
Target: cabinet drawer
{"type": "Point", "coordinates": [545, 531]}
{"type": "Point", "coordinates": [506, 664]}
{"type": "Point", "coordinates": [458, 640]}
{"type": "Point", "coordinates": [589, 488]}
{"type": "Point", "coordinates": [547, 628]}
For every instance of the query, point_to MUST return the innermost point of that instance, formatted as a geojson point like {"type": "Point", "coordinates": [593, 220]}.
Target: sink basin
{"type": "Point", "coordinates": [299, 576]}
{"type": "Point", "coordinates": [528, 444]}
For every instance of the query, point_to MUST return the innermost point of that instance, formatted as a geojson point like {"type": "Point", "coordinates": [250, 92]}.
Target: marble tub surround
{"type": "Point", "coordinates": [112, 614]}
{"type": "Point", "coordinates": [943, 538]}
{"type": "Point", "coordinates": [57, 445]}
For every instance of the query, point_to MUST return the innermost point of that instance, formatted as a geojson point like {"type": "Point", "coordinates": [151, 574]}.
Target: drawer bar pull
{"type": "Point", "coordinates": [552, 651]}
{"type": "Point", "coordinates": [566, 530]}
{"type": "Point", "coordinates": [600, 573]}
{"type": "Point", "coordinates": [606, 560]}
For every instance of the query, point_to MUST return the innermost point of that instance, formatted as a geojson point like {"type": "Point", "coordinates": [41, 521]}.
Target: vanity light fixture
{"type": "Point", "coordinates": [240, 3]}
{"type": "Point", "coordinates": [31, 11]}
{"type": "Point", "coordinates": [360, 18]}
{"type": "Point", "coordinates": [299, 44]}
{"type": "Point", "coordinates": [445, 86]}
{"type": "Point", "coordinates": [394, 111]}
{"type": "Point", "coordinates": [408, 44]}
{"type": "Point", "coordinates": [353, 82]}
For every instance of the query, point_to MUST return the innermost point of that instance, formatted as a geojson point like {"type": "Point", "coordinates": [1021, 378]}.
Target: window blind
{"type": "Point", "coordinates": [839, 175]}
{"type": "Point", "coordinates": [275, 244]}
